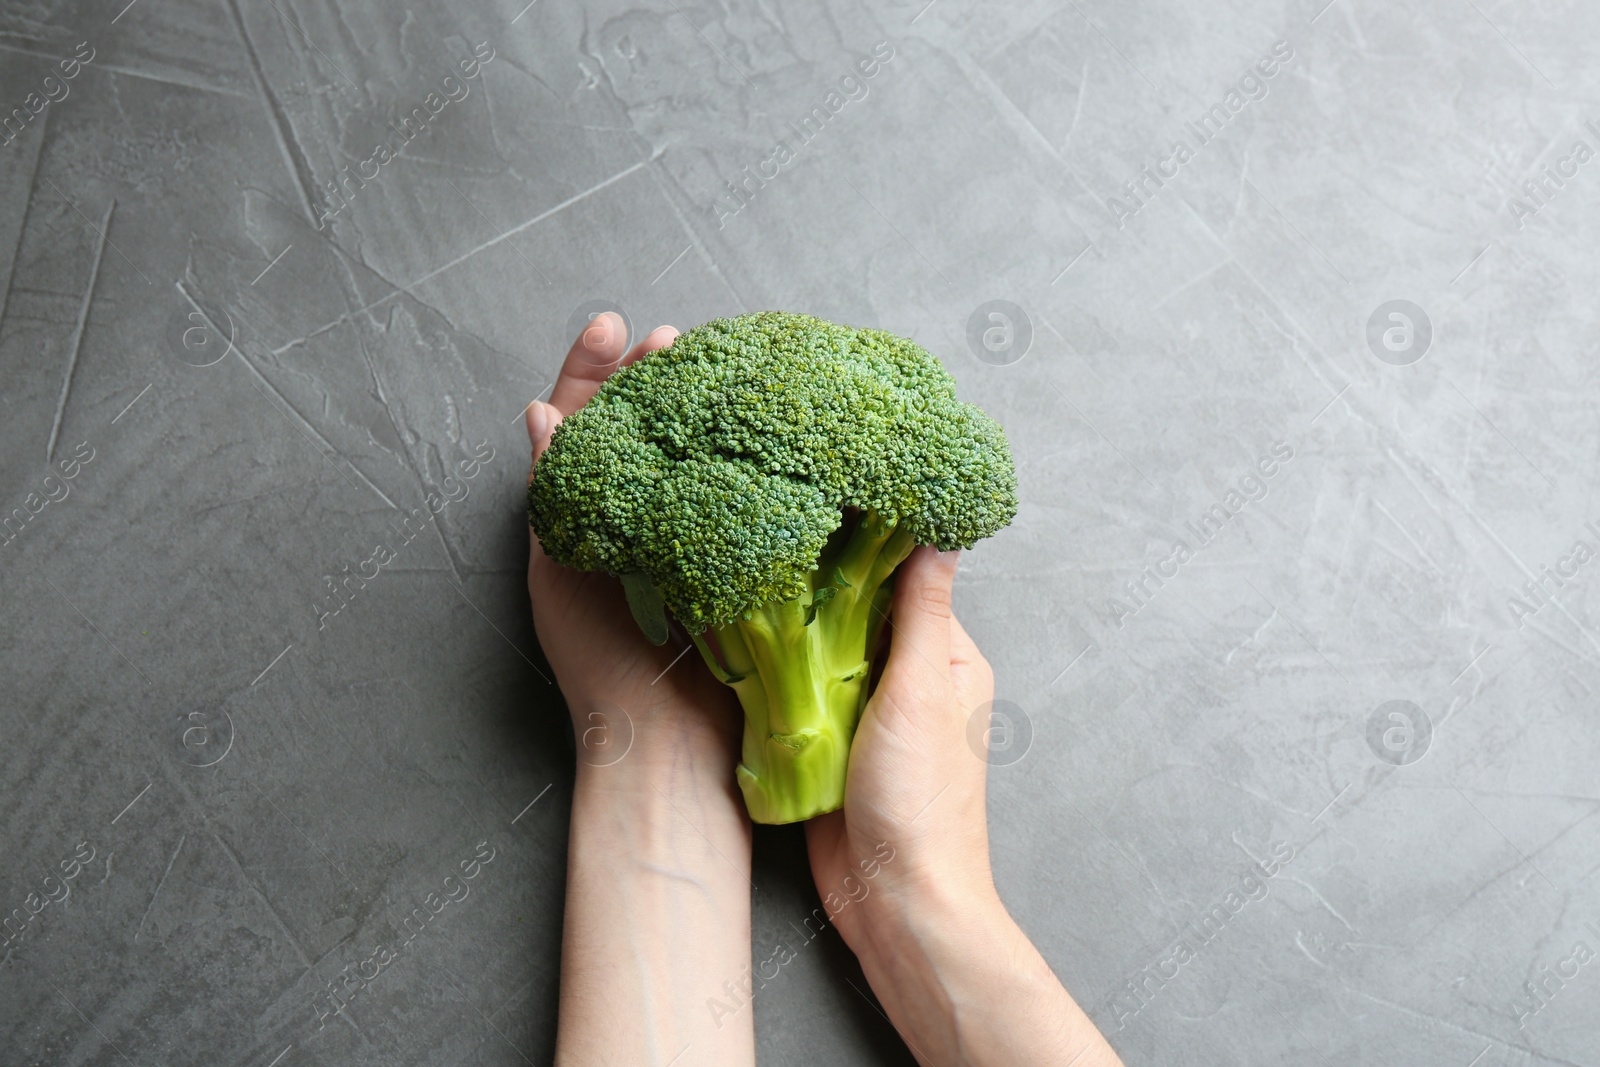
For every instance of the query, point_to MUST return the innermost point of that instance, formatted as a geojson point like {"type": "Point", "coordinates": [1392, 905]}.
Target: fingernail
{"type": "Point", "coordinates": [672, 332]}
{"type": "Point", "coordinates": [538, 422]}
{"type": "Point", "coordinates": [598, 335]}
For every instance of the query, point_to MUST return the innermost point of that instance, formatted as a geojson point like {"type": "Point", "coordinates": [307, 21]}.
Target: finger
{"type": "Point", "coordinates": [824, 832]}
{"type": "Point", "coordinates": [592, 358]}
{"type": "Point", "coordinates": [970, 674]}
{"type": "Point", "coordinates": [920, 646]}
{"type": "Point", "coordinates": [541, 421]}
{"type": "Point", "coordinates": [963, 649]}
{"type": "Point", "coordinates": [660, 337]}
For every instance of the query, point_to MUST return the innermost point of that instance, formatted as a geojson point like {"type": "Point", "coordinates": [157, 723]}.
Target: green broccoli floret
{"type": "Point", "coordinates": [762, 477]}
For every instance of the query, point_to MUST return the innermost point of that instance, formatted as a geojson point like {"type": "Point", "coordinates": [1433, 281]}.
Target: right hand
{"type": "Point", "coordinates": [914, 781]}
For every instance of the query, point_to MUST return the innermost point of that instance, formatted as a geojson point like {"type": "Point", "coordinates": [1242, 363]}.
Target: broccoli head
{"type": "Point", "coordinates": [761, 478]}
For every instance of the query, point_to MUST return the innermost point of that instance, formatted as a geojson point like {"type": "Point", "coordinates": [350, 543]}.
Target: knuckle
{"type": "Point", "coordinates": [935, 600]}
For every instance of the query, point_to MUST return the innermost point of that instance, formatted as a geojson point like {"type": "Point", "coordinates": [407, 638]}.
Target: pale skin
{"type": "Point", "coordinates": [658, 879]}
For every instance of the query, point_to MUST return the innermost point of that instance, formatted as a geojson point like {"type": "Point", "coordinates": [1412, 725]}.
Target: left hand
{"type": "Point", "coordinates": [602, 661]}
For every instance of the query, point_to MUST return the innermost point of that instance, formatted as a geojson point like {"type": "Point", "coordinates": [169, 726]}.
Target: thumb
{"type": "Point", "coordinates": [920, 645]}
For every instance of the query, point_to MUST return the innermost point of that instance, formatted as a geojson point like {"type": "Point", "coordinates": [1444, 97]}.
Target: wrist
{"type": "Point", "coordinates": [940, 923]}
{"type": "Point", "coordinates": [963, 984]}
{"type": "Point", "coordinates": [916, 895]}
{"type": "Point", "coordinates": [664, 808]}
{"type": "Point", "coordinates": [651, 748]}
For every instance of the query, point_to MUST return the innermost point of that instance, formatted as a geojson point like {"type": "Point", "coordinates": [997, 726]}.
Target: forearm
{"type": "Point", "coordinates": [658, 911]}
{"type": "Point", "coordinates": [966, 988]}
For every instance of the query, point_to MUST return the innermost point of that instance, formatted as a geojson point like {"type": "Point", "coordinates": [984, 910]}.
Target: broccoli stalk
{"type": "Point", "coordinates": [801, 669]}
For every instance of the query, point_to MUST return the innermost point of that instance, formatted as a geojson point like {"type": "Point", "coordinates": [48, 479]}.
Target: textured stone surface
{"type": "Point", "coordinates": [260, 799]}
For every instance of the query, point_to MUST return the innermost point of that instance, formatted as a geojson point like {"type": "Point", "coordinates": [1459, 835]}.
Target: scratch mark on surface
{"type": "Point", "coordinates": [145, 75]}
{"type": "Point", "coordinates": [896, 229]}
{"type": "Point", "coordinates": [503, 637]}
{"type": "Point", "coordinates": [9, 267]}
{"type": "Point", "coordinates": [86, 1019]}
{"type": "Point", "coordinates": [96, 629]}
{"type": "Point", "coordinates": [299, 951]}
{"type": "Point", "coordinates": [1408, 1010]}
{"type": "Point", "coordinates": [485, 218]}
{"type": "Point", "coordinates": [1468, 667]}
{"type": "Point", "coordinates": [406, 289]}
{"type": "Point", "coordinates": [548, 213]}
{"type": "Point", "coordinates": [405, 453]}
{"type": "Point", "coordinates": [100, 231]}
{"type": "Point", "coordinates": [1272, 302]}
{"type": "Point", "coordinates": [299, 421]}
{"type": "Point", "coordinates": [132, 72]}
{"type": "Point", "coordinates": [1069, 666]}
{"type": "Point", "coordinates": [1077, 108]}
{"type": "Point", "coordinates": [485, 1018]}
{"type": "Point", "coordinates": [77, 333]}
{"type": "Point", "coordinates": [312, 43]}
{"type": "Point", "coordinates": [282, 128]}
{"type": "Point", "coordinates": [659, 175]}
{"type": "Point", "coordinates": [737, 69]}
{"type": "Point", "coordinates": [1320, 899]}
{"type": "Point", "coordinates": [1184, 286]}
{"type": "Point", "coordinates": [181, 839]}
{"type": "Point", "coordinates": [302, 833]}
{"type": "Point", "coordinates": [1299, 940]}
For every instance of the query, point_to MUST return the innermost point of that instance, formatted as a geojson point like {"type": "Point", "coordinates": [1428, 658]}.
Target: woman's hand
{"type": "Point", "coordinates": [602, 661]}
{"type": "Point", "coordinates": [905, 863]}
{"type": "Point", "coordinates": [657, 922]}
{"type": "Point", "coordinates": [915, 784]}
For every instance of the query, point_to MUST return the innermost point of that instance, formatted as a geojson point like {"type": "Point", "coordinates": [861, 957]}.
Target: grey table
{"type": "Point", "coordinates": [1289, 311]}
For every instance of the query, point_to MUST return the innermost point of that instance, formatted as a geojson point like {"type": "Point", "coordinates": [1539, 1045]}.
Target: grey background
{"type": "Point", "coordinates": [164, 611]}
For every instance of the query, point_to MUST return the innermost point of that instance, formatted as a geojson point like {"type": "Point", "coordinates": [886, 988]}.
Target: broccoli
{"type": "Point", "coordinates": [762, 477]}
